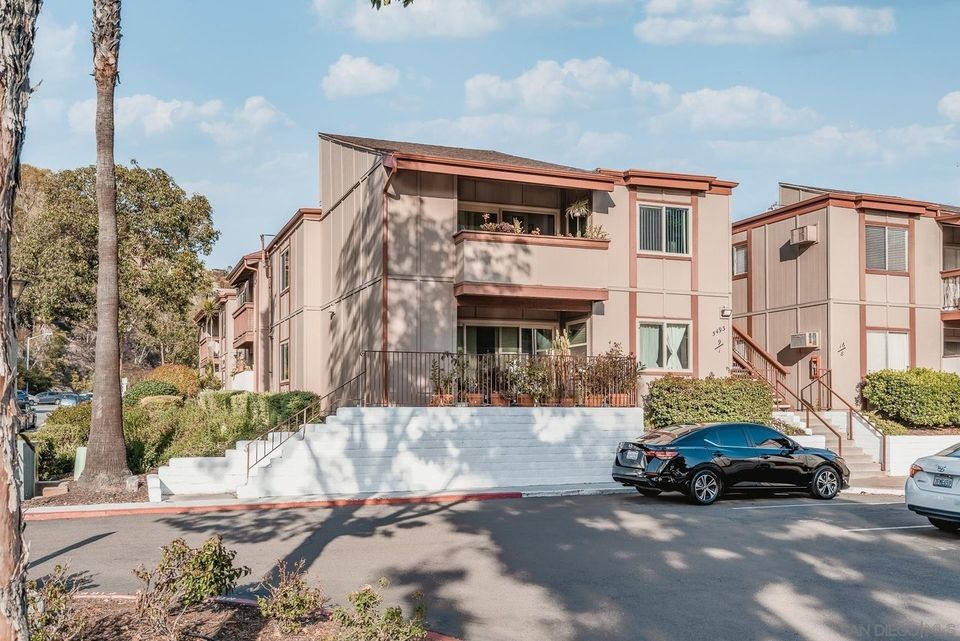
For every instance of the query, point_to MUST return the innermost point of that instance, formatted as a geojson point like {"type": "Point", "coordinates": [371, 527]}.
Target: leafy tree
{"type": "Point", "coordinates": [162, 234]}
{"type": "Point", "coordinates": [18, 26]}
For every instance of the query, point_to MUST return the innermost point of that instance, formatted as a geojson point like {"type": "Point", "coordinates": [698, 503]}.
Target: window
{"type": "Point", "coordinates": [664, 345]}
{"type": "Point", "coordinates": [951, 341]}
{"type": "Point", "coordinates": [728, 436]}
{"type": "Point", "coordinates": [472, 217]}
{"type": "Point", "coordinates": [663, 229]}
{"type": "Point", "coordinates": [484, 339]}
{"type": "Point", "coordinates": [739, 259]}
{"type": "Point", "coordinates": [887, 350]}
{"type": "Point", "coordinates": [245, 292]}
{"type": "Point", "coordinates": [285, 270]}
{"type": "Point", "coordinates": [886, 248]}
{"type": "Point", "coordinates": [577, 335]}
{"type": "Point", "coordinates": [285, 361]}
{"type": "Point", "coordinates": [951, 247]}
{"type": "Point", "coordinates": [765, 437]}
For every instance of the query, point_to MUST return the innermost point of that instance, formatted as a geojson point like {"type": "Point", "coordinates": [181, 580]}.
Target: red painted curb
{"type": "Point", "coordinates": [30, 515]}
{"type": "Point", "coordinates": [229, 600]}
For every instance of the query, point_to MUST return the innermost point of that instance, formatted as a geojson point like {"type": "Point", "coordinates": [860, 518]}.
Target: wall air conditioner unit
{"type": "Point", "coordinates": [805, 340]}
{"type": "Point", "coordinates": [806, 235]}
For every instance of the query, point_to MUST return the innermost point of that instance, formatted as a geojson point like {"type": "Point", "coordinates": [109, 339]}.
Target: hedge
{"type": "Point", "coordinates": [674, 401]}
{"type": "Point", "coordinates": [144, 389]}
{"type": "Point", "coordinates": [184, 378]}
{"type": "Point", "coordinates": [157, 432]}
{"type": "Point", "coordinates": [918, 397]}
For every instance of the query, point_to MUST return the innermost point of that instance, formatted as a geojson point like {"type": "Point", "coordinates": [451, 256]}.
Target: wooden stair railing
{"type": "Point", "coordinates": [752, 357]}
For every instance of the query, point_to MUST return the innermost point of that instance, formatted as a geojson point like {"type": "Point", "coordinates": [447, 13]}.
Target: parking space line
{"type": "Point", "coordinates": [896, 527]}
{"type": "Point", "coordinates": [815, 504]}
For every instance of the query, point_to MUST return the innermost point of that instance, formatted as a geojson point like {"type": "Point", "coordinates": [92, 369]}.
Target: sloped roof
{"type": "Point", "coordinates": [825, 190]}
{"type": "Point", "coordinates": [453, 153]}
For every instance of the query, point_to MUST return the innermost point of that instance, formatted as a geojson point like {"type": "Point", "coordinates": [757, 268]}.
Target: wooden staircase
{"type": "Point", "coordinates": [837, 426]}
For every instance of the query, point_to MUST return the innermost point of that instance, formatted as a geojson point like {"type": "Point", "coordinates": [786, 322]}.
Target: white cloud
{"type": "Point", "coordinates": [349, 77]}
{"type": "Point", "coordinates": [725, 21]}
{"type": "Point", "coordinates": [155, 116]}
{"type": "Point", "coordinates": [424, 18]}
{"type": "Point", "coordinates": [55, 50]}
{"type": "Point", "coordinates": [600, 146]}
{"type": "Point", "coordinates": [949, 106]}
{"type": "Point", "coordinates": [734, 108]}
{"type": "Point", "coordinates": [144, 111]}
{"type": "Point", "coordinates": [550, 86]}
{"type": "Point", "coordinates": [829, 144]}
{"type": "Point", "coordinates": [256, 114]}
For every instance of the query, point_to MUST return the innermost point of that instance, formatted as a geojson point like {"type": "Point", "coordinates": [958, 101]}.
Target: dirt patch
{"type": "Point", "coordinates": [933, 431]}
{"type": "Point", "coordinates": [76, 495]}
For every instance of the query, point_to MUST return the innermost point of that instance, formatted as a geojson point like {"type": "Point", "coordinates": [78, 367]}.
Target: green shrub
{"type": "Point", "coordinates": [920, 397]}
{"type": "Point", "coordinates": [285, 404]}
{"type": "Point", "coordinates": [184, 378]}
{"type": "Point", "coordinates": [365, 622]}
{"type": "Point", "coordinates": [149, 388]}
{"type": "Point", "coordinates": [886, 426]}
{"type": "Point", "coordinates": [160, 401]}
{"type": "Point", "coordinates": [52, 606]}
{"type": "Point", "coordinates": [290, 601]}
{"type": "Point", "coordinates": [184, 577]}
{"type": "Point", "coordinates": [673, 400]}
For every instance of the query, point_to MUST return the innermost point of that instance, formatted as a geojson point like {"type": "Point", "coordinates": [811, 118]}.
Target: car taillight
{"type": "Point", "coordinates": [914, 469]}
{"type": "Point", "coordinates": [664, 454]}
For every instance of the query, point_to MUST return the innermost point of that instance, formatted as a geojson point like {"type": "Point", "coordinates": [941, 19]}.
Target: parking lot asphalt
{"type": "Point", "coordinates": [586, 568]}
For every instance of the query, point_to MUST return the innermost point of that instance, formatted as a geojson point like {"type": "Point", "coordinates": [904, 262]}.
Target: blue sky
{"type": "Point", "coordinates": [228, 96]}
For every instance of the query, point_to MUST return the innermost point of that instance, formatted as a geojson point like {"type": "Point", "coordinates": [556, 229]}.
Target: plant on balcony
{"type": "Point", "coordinates": [502, 227]}
{"type": "Point", "coordinates": [534, 381]}
{"type": "Point", "coordinates": [623, 376]}
{"type": "Point", "coordinates": [596, 232]}
{"type": "Point", "coordinates": [560, 370]}
{"type": "Point", "coordinates": [441, 381]}
{"type": "Point", "coordinates": [467, 383]}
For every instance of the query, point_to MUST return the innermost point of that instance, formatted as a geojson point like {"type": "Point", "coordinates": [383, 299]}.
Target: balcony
{"type": "Point", "coordinates": [951, 294]}
{"type": "Point", "coordinates": [555, 271]}
{"type": "Point", "coordinates": [243, 325]}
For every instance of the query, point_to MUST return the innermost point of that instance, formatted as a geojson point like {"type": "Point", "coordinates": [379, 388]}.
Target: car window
{"type": "Point", "coordinates": [666, 435]}
{"type": "Point", "coordinates": [953, 452]}
{"type": "Point", "coordinates": [765, 437]}
{"type": "Point", "coordinates": [729, 436]}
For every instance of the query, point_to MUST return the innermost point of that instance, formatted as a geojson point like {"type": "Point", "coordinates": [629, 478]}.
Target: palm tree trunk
{"type": "Point", "coordinates": [106, 464]}
{"type": "Point", "coordinates": [18, 21]}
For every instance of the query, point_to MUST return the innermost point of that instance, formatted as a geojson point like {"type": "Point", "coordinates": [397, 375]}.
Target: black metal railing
{"type": "Point", "coordinates": [448, 378]}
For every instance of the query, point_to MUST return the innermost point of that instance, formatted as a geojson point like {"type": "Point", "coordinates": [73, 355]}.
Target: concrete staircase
{"type": "Point", "coordinates": [862, 455]}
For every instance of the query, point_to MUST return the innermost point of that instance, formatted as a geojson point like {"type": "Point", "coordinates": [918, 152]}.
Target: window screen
{"type": "Point", "coordinates": [739, 260]}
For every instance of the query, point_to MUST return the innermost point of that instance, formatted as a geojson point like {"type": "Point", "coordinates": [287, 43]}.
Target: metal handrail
{"type": "Point", "coordinates": [767, 357]}
{"type": "Point", "coordinates": [851, 411]}
{"type": "Point", "coordinates": [273, 438]}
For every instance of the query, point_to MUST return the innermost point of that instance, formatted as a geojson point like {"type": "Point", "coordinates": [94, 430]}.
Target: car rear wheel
{"type": "Point", "coordinates": [646, 491]}
{"type": "Point", "coordinates": [825, 483]}
{"type": "Point", "coordinates": [704, 487]}
{"type": "Point", "coordinates": [946, 526]}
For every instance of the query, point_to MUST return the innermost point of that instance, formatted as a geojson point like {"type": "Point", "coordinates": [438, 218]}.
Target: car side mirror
{"type": "Point", "coordinates": [788, 444]}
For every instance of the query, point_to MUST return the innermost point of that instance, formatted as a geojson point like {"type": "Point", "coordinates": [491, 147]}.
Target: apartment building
{"type": "Point", "coordinates": [423, 248]}
{"type": "Point", "coordinates": [849, 283]}
{"type": "Point", "coordinates": [215, 322]}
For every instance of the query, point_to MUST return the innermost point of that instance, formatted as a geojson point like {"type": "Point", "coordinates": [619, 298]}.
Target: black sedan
{"type": "Point", "coordinates": [704, 461]}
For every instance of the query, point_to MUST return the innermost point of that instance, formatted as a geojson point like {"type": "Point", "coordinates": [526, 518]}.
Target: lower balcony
{"type": "Point", "coordinates": [561, 272]}
{"type": "Point", "coordinates": [243, 325]}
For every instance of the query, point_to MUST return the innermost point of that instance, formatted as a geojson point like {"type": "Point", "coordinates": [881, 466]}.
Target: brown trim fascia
{"type": "Point", "coordinates": [889, 330]}
{"type": "Point", "coordinates": [695, 330]}
{"type": "Point", "coordinates": [246, 262]}
{"type": "Point", "coordinates": [885, 272]}
{"type": "Point", "coordinates": [510, 173]}
{"type": "Point", "coordinates": [913, 334]}
{"type": "Point", "coordinates": [863, 340]}
{"type": "Point", "coordinates": [694, 243]}
{"type": "Point", "coordinates": [505, 290]}
{"type": "Point", "coordinates": [743, 276]}
{"type": "Point", "coordinates": [632, 267]}
{"type": "Point", "coordinates": [667, 180]}
{"type": "Point", "coordinates": [528, 239]}
{"type": "Point", "coordinates": [384, 267]}
{"type": "Point", "coordinates": [665, 256]}
{"type": "Point", "coordinates": [950, 316]}
{"type": "Point", "coordinates": [950, 273]}
{"type": "Point", "coordinates": [302, 214]}
{"type": "Point", "coordinates": [912, 262]}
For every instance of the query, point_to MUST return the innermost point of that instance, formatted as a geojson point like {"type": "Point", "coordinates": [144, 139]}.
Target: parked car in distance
{"type": "Point", "coordinates": [68, 400]}
{"type": "Point", "coordinates": [48, 398]}
{"type": "Point", "coordinates": [23, 397]}
{"type": "Point", "coordinates": [86, 396]}
{"type": "Point", "coordinates": [933, 488]}
{"type": "Point", "coordinates": [705, 461]}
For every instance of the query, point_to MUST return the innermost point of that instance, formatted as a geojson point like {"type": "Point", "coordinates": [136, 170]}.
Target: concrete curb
{"type": "Point", "coordinates": [202, 506]}
{"type": "Point", "coordinates": [227, 600]}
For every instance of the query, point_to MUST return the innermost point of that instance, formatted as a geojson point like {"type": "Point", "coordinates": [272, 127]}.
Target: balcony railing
{"type": "Point", "coordinates": [951, 293]}
{"type": "Point", "coordinates": [243, 324]}
{"type": "Point", "coordinates": [446, 378]}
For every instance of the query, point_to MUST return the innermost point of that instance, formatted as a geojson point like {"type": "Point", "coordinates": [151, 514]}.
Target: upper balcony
{"type": "Point", "coordinates": [243, 325]}
{"type": "Point", "coordinates": [557, 272]}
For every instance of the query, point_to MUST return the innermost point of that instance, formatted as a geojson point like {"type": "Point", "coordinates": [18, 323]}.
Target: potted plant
{"type": "Point", "coordinates": [623, 375]}
{"type": "Point", "coordinates": [441, 381]}
{"type": "Point", "coordinates": [468, 380]}
{"type": "Point", "coordinates": [560, 372]}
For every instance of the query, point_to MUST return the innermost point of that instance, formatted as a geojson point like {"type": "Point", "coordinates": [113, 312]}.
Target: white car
{"type": "Point", "coordinates": [933, 488]}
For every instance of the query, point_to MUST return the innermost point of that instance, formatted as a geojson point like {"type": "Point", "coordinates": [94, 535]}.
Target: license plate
{"type": "Point", "coordinates": [632, 455]}
{"type": "Point", "coordinates": [943, 480]}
